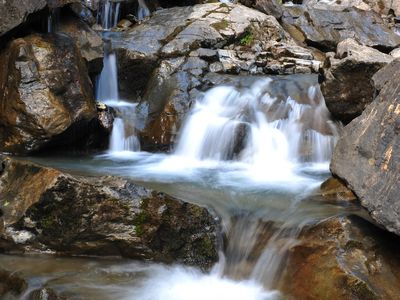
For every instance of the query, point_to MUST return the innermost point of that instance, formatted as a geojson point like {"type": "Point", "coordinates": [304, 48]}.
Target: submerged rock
{"type": "Point", "coordinates": [347, 85]}
{"type": "Point", "coordinates": [46, 210]}
{"type": "Point", "coordinates": [15, 12]}
{"type": "Point", "coordinates": [343, 258]}
{"type": "Point", "coordinates": [324, 28]}
{"type": "Point", "coordinates": [45, 92]}
{"type": "Point", "coordinates": [367, 156]}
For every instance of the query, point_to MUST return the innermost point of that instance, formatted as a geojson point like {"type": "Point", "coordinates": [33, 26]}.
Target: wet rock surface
{"type": "Point", "coordinates": [344, 258]}
{"type": "Point", "coordinates": [15, 12]}
{"type": "Point", "coordinates": [46, 210]}
{"type": "Point", "coordinates": [367, 155]}
{"type": "Point", "coordinates": [325, 28]}
{"type": "Point", "coordinates": [89, 42]}
{"type": "Point", "coordinates": [44, 92]}
{"type": "Point", "coordinates": [347, 84]}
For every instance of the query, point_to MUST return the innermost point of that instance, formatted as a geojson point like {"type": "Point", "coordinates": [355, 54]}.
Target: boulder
{"type": "Point", "coordinates": [15, 12]}
{"type": "Point", "coordinates": [367, 156]}
{"type": "Point", "coordinates": [382, 7]}
{"type": "Point", "coordinates": [324, 29]}
{"type": "Point", "coordinates": [45, 93]}
{"type": "Point", "coordinates": [343, 258]}
{"type": "Point", "coordinates": [269, 7]}
{"type": "Point", "coordinates": [89, 42]}
{"type": "Point", "coordinates": [44, 209]}
{"type": "Point", "coordinates": [347, 85]}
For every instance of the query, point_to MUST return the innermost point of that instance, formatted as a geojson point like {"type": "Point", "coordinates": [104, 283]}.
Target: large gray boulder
{"type": "Point", "coordinates": [43, 209]}
{"type": "Point", "coordinates": [324, 29]}
{"type": "Point", "coordinates": [367, 156]}
{"type": "Point", "coordinates": [347, 84]}
{"type": "Point", "coordinates": [15, 12]}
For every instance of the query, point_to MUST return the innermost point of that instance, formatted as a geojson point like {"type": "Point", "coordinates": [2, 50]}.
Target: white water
{"type": "Point", "coordinates": [143, 11]}
{"type": "Point", "coordinates": [108, 14]}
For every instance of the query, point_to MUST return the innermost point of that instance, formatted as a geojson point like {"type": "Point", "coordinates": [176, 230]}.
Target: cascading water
{"type": "Point", "coordinates": [143, 11]}
{"type": "Point", "coordinates": [252, 152]}
{"type": "Point", "coordinates": [123, 137]}
{"type": "Point", "coordinates": [108, 14]}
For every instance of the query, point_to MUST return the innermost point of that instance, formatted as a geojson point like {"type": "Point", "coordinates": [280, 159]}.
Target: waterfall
{"type": "Point", "coordinates": [123, 136]}
{"type": "Point", "coordinates": [252, 127]}
{"type": "Point", "coordinates": [108, 14]}
{"type": "Point", "coordinates": [143, 11]}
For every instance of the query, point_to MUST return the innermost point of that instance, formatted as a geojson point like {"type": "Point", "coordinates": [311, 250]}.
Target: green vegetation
{"type": "Point", "coordinates": [247, 39]}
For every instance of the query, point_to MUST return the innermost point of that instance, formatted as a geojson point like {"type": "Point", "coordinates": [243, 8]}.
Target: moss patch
{"type": "Point", "coordinates": [247, 39]}
{"type": "Point", "coordinates": [221, 25]}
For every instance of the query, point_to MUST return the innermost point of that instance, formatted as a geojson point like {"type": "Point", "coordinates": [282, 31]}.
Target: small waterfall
{"type": "Point", "coordinates": [123, 135]}
{"type": "Point", "coordinates": [108, 14]}
{"type": "Point", "coordinates": [143, 11]}
{"type": "Point", "coordinates": [53, 19]}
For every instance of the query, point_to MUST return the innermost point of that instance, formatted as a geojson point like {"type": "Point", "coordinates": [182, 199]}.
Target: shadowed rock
{"type": "Point", "coordinates": [367, 156]}
{"type": "Point", "coordinates": [347, 85]}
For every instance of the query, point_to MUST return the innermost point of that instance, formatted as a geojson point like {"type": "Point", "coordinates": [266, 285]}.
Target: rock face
{"type": "Point", "coordinates": [177, 47]}
{"type": "Point", "coordinates": [44, 92]}
{"type": "Point", "coordinates": [324, 28]}
{"type": "Point", "coordinates": [88, 41]}
{"type": "Point", "coordinates": [44, 209]}
{"type": "Point", "coordinates": [15, 12]}
{"type": "Point", "coordinates": [343, 258]}
{"type": "Point", "coordinates": [347, 85]}
{"type": "Point", "coordinates": [367, 156]}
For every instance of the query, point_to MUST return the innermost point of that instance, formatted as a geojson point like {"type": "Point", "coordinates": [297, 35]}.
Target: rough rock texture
{"type": "Point", "coordinates": [177, 47]}
{"type": "Point", "coordinates": [344, 258]}
{"type": "Point", "coordinates": [15, 12]}
{"type": "Point", "coordinates": [382, 7]}
{"type": "Point", "coordinates": [324, 29]}
{"type": "Point", "coordinates": [45, 209]}
{"type": "Point", "coordinates": [269, 7]}
{"type": "Point", "coordinates": [367, 156]}
{"type": "Point", "coordinates": [11, 285]}
{"type": "Point", "coordinates": [44, 91]}
{"type": "Point", "coordinates": [89, 42]}
{"type": "Point", "coordinates": [347, 85]}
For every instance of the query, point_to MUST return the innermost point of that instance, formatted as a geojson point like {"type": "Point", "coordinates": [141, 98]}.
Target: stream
{"type": "Point", "coordinates": [253, 153]}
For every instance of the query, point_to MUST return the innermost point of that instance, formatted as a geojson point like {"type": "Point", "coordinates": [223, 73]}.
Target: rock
{"type": "Point", "coordinates": [269, 7]}
{"type": "Point", "coordinates": [180, 31]}
{"type": "Point", "coordinates": [395, 53]}
{"type": "Point", "coordinates": [335, 190]}
{"type": "Point", "coordinates": [347, 85]}
{"type": "Point", "coordinates": [59, 3]}
{"type": "Point", "coordinates": [324, 29]}
{"type": "Point", "coordinates": [45, 93]}
{"type": "Point", "coordinates": [11, 285]}
{"type": "Point", "coordinates": [367, 155]}
{"type": "Point", "coordinates": [44, 294]}
{"type": "Point", "coordinates": [89, 42]}
{"type": "Point", "coordinates": [83, 12]}
{"type": "Point", "coordinates": [343, 258]}
{"type": "Point", "coordinates": [75, 215]}
{"type": "Point", "coordinates": [15, 12]}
